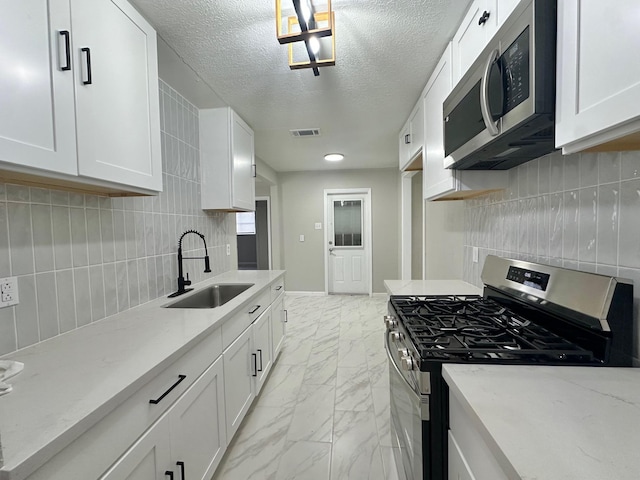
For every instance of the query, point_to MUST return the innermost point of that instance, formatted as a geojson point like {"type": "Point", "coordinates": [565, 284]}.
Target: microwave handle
{"type": "Point", "coordinates": [492, 126]}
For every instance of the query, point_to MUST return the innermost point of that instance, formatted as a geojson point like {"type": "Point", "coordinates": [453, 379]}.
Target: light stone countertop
{"type": "Point", "coordinates": [554, 423]}
{"type": "Point", "coordinates": [430, 287]}
{"type": "Point", "coordinates": [71, 381]}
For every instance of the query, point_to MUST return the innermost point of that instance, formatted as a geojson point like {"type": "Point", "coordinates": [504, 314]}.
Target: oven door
{"type": "Point", "coordinates": [408, 429]}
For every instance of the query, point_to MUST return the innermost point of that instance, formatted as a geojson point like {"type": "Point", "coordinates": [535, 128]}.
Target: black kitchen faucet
{"type": "Point", "coordinates": [181, 280]}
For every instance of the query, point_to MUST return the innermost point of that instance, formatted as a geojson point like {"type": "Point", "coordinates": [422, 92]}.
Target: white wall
{"type": "Point", "coordinates": [302, 205]}
{"type": "Point", "coordinates": [579, 211]}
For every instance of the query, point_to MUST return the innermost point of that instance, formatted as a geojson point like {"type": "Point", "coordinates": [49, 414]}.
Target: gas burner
{"type": "Point", "coordinates": [473, 328]}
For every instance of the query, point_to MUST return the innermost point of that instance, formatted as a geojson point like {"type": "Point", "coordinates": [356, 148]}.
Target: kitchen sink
{"type": "Point", "coordinates": [212, 296]}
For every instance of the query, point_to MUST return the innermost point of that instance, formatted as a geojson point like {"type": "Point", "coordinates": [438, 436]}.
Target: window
{"type": "Point", "coordinates": [347, 217]}
{"type": "Point", "coordinates": [246, 223]}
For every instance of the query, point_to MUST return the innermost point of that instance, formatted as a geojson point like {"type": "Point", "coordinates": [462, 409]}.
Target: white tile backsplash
{"type": "Point", "coordinates": [80, 258]}
{"type": "Point", "coordinates": [578, 211]}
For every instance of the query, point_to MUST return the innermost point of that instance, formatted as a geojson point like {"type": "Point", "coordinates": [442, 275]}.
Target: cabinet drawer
{"type": "Point", "coordinates": [93, 452]}
{"type": "Point", "coordinates": [277, 288]}
{"type": "Point", "coordinates": [233, 327]}
{"type": "Point", "coordinates": [478, 457]}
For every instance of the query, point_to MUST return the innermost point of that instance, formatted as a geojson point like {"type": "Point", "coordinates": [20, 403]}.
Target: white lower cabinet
{"type": "Point", "coordinates": [148, 459]}
{"type": "Point", "coordinates": [458, 468]}
{"type": "Point", "coordinates": [263, 348]}
{"type": "Point", "coordinates": [198, 428]}
{"type": "Point", "coordinates": [278, 320]}
{"type": "Point", "coordinates": [187, 442]}
{"type": "Point", "coordinates": [470, 457]}
{"type": "Point", "coordinates": [247, 363]}
{"type": "Point", "coordinates": [239, 386]}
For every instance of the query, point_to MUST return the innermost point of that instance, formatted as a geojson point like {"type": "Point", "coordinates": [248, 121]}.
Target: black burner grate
{"type": "Point", "coordinates": [473, 328]}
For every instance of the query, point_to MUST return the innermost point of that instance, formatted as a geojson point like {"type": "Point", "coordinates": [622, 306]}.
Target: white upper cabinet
{"type": "Point", "coordinates": [117, 106]}
{"type": "Point", "coordinates": [79, 95]}
{"type": "Point", "coordinates": [227, 161]}
{"type": "Point", "coordinates": [440, 183]}
{"type": "Point", "coordinates": [37, 118]}
{"type": "Point", "coordinates": [411, 140]}
{"type": "Point", "coordinates": [481, 22]}
{"type": "Point", "coordinates": [598, 75]}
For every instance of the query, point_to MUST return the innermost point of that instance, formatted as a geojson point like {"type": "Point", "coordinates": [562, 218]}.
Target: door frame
{"type": "Point", "coordinates": [268, 200]}
{"type": "Point", "coordinates": [367, 231]}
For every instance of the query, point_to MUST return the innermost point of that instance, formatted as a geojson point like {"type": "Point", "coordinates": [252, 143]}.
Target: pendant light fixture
{"type": "Point", "coordinates": [309, 34]}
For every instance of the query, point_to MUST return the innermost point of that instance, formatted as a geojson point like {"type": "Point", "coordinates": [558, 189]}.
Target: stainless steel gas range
{"type": "Point", "coordinates": [529, 314]}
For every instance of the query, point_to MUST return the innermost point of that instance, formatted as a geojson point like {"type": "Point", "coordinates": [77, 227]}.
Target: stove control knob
{"type": "Point", "coordinates": [390, 321]}
{"type": "Point", "coordinates": [397, 336]}
{"type": "Point", "coordinates": [408, 363]}
{"type": "Point", "coordinates": [403, 352]}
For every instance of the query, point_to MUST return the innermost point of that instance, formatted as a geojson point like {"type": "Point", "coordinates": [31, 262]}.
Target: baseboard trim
{"type": "Point", "coordinates": [304, 294]}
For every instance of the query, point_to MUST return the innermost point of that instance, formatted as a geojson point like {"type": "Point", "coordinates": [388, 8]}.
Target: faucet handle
{"type": "Point", "coordinates": [187, 281]}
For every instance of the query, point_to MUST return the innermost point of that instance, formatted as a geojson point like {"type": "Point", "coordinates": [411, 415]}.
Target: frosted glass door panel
{"type": "Point", "coordinates": [347, 216]}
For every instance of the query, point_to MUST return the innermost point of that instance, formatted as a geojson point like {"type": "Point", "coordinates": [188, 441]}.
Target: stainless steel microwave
{"type": "Point", "coordinates": [502, 112]}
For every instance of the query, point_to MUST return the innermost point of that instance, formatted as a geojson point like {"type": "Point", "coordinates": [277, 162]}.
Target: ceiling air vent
{"type": "Point", "coordinates": [306, 132]}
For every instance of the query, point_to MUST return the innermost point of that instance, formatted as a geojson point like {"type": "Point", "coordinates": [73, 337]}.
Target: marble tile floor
{"type": "Point", "coordinates": [324, 412]}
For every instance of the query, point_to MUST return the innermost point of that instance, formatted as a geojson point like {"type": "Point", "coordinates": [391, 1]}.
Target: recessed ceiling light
{"type": "Point", "coordinates": [333, 157]}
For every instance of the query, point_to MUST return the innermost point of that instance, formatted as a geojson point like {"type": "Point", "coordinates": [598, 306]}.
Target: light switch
{"type": "Point", "coordinates": [302, 238]}
{"type": "Point", "coordinates": [318, 226]}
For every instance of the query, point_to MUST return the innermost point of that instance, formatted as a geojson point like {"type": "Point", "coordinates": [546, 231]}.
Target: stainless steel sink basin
{"type": "Point", "coordinates": [212, 296]}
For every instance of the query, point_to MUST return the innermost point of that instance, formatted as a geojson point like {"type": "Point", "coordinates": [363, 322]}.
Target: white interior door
{"type": "Point", "coordinates": [348, 243]}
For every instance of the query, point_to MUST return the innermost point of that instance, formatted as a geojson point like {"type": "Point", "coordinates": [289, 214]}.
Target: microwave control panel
{"type": "Point", "coordinates": [515, 67]}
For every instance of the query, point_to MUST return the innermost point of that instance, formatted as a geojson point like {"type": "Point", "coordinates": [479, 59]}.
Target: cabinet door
{"type": "Point", "coordinates": [437, 179]}
{"type": "Point", "coordinates": [147, 459]}
{"type": "Point", "coordinates": [243, 192]}
{"type": "Point", "coordinates": [37, 118]}
{"type": "Point", "coordinates": [458, 468]}
{"type": "Point", "coordinates": [278, 318]}
{"type": "Point", "coordinates": [504, 9]}
{"type": "Point", "coordinates": [598, 83]}
{"type": "Point", "coordinates": [417, 130]}
{"type": "Point", "coordinates": [263, 348]}
{"type": "Point", "coordinates": [117, 106]}
{"type": "Point", "coordinates": [239, 370]}
{"type": "Point", "coordinates": [198, 430]}
{"type": "Point", "coordinates": [404, 145]}
{"type": "Point", "coordinates": [472, 35]}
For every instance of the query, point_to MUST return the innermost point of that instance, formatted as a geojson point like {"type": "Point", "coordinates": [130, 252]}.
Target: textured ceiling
{"type": "Point", "coordinates": [385, 51]}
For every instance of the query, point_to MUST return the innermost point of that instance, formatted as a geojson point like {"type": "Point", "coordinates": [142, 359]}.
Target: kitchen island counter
{"type": "Point", "coordinates": [553, 423]}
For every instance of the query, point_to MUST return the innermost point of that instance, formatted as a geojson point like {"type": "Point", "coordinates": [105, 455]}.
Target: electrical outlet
{"type": "Point", "coordinates": [475, 254]}
{"type": "Point", "coordinates": [228, 249]}
{"type": "Point", "coordinates": [318, 226]}
{"type": "Point", "coordinates": [8, 292]}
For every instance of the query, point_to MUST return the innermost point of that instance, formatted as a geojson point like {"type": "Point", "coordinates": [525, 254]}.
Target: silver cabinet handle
{"type": "Point", "coordinates": [484, 95]}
